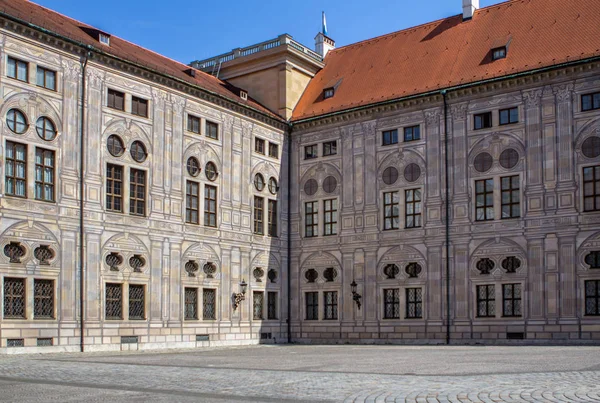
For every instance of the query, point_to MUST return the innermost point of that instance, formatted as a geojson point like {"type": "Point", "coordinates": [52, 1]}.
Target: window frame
{"type": "Point", "coordinates": [273, 150]}
{"type": "Point", "coordinates": [314, 215]}
{"type": "Point", "coordinates": [133, 302]}
{"type": "Point", "coordinates": [211, 130]}
{"type": "Point", "coordinates": [134, 186]}
{"type": "Point", "coordinates": [42, 183]}
{"type": "Point", "coordinates": [272, 218]}
{"type": "Point", "coordinates": [136, 103]}
{"type": "Point", "coordinates": [594, 96]}
{"type": "Point", "coordinates": [413, 129]}
{"type": "Point", "coordinates": [393, 302]}
{"type": "Point", "coordinates": [484, 116]}
{"type": "Point", "coordinates": [209, 212]}
{"type": "Point", "coordinates": [510, 121]}
{"type": "Point", "coordinates": [272, 298]}
{"type": "Point", "coordinates": [514, 299]}
{"type": "Point", "coordinates": [259, 145]}
{"type": "Point", "coordinates": [393, 215]}
{"type": "Point", "coordinates": [311, 305]}
{"type": "Point", "coordinates": [190, 314]}
{"type": "Point", "coordinates": [17, 62]}
{"type": "Point", "coordinates": [115, 94]}
{"type": "Point", "coordinates": [511, 195]}
{"type": "Point", "coordinates": [329, 148]}
{"type": "Point", "coordinates": [314, 152]}
{"type": "Point", "coordinates": [258, 208]}
{"type": "Point", "coordinates": [414, 203]}
{"type": "Point", "coordinates": [209, 310]}
{"type": "Point", "coordinates": [595, 183]}
{"type": "Point", "coordinates": [258, 305]}
{"type": "Point", "coordinates": [190, 198]}
{"type": "Point", "coordinates": [485, 205]}
{"type": "Point", "coordinates": [113, 300]}
{"type": "Point", "coordinates": [14, 162]}
{"type": "Point", "coordinates": [44, 71]}
{"type": "Point", "coordinates": [12, 297]}
{"type": "Point", "coordinates": [110, 193]}
{"type": "Point", "coordinates": [417, 302]}
{"type": "Point", "coordinates": [489, 301]}
{"type": "Point", "coordinates": [39, 299]}
{"type": "Point", "coordinates": [333, 313]}
{"type": "Point", "coordinates": [192, 122]}
{"type": "Point", "coordinates": [389, 137]}
{"type": "Point", "coordinates": [595, 297]}
{"type": "Point", "coordinates": [330, 216]}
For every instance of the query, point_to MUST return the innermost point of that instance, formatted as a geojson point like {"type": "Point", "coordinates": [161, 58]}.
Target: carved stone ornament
{"type": "Point", "coordinates": [330, 274]}
{"type": "Point", "coordinates": [192, 267]}
{"type": "Point", "coordinates": [511, 264]}
{"type": "Point", "coordinates": [459, 111]}
{"type": "Point", "coordinates": [311, 275]}
{"type": "Point", "coordinates": [563, 92]}
{"type": "Point", "coordinates": [532, 98]}
{"type": "Point", "coordinates": [413, 269]}
{"type": "Point", "coordinates": [391, 271]}
{"type": "Point", "coordinates": [272, 274]}
{"type": "Point", "coordinates": [485, 265]}
{"type": "Point", "coordinates": [114, 260]}
{"type": "Point", "coordinates": [209, 269]}
{"type": "Point", "coordinates": [14, 251]}
{"type": "Point", "coordinates": [258, 274]}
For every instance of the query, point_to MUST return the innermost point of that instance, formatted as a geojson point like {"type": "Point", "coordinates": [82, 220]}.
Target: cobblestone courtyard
{"type": "Point", "coordinates": [309, 373]}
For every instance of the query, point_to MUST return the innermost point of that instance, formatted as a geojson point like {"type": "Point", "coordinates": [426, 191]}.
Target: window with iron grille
{"type": "Point", "coordinates": [209, 304]}
{"type": "Point", "coordinates": [114, 188]}
{"type": "Point", "coordinates": [114, 301]}
{"type": "Point", "coordinates": [389, 137]}
{"type": "Point", "coordinates": [509, 116]}
{"type": "Point", "coordinates": [590, 101]}
{"type": "Point", "coordinates": [116, 100]}
{"type": "Point", "coordinates": [486, 301]}
{"type": "Point", "coordinates": [139, 106]}
{"type": "Point", "coordinates": [193, 124]}
{"type": "Point", "coordinates": [273, 150]}
{"type": "Point", "coordinates": [391, 210]}
{"type": "Point", "coordinates": [592, 297]}
{"type": "Point", "coordinates": [331, 305]}
{"type": "Point", "coordinates": [330, 208]}
{"type": "Point", "coordinates": [259, 145]}
{"type": "Point", "coordinates": [391, 304]}
{"type": "Point", "coordinates": [16, 169]}
{"type": "Point", "coordinates": [43, 299]}
{"type": "Point", "coordinates": [192, 202]}
{"type": "Point", "coordinates": [591, 188]}
{"type": "Point", "coordinates": [18, 69]}
{"type": "Point", "coordinates": [511, 300]}
{"type": "Point", "coordinates": [212, 130]}
{"type": "Point", "coordinates": [412, 133]}
{"type": "Point", "coordinates": [272, 218]}
{"type": "Point", "coordinates": [191, 303]}
{"type": "Point", "coordinates": [482, 120]}
{"type": "Point", "coordinates": [14, 298]}
{"type": "Point", "coordinates": [511, 196]}
{"type": "Point", "coordinates": [46, 78]}
{"type": "Point", "coordinates": [484, 200]}
{"type": "Point", "coordinates": [257, 305]}
{"type": "Point", "coordinates": [312, 305]}
{"type": "Point", "coordinates": [329, 148]}
{"type": "Point", "coordinates": [210, 206]}
{"type": "Point", "coordinates": [311, 219]}
{"type": "Point", "coordinates": [137, 192]}
{"type": "Point", "coordinates": [593, 259]}
{"type": "Point", "coordinates": [271, 305]}
{"type": "Point", "coordinates": [137, 302]}
{"type": "Point", "coordinates": [44, 174]}
{"type": "Point", "coordinates": [413, 208]}
{"type": "Point", "coordinates": [414, 303]}
{"type": "Point", "coordinates": [311, 152]}
{"type": "Point", "coordinates": [259, 222]}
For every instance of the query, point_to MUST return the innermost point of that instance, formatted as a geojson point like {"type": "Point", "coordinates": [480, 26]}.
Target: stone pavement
{"type": "Point", "coordinates": [295, 373]}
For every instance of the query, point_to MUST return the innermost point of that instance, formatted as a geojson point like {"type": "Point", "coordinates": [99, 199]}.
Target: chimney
{"type": "Point", "coordinates": [469, 7]}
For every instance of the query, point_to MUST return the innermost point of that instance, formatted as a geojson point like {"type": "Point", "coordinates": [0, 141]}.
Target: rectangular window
{"type": "Point", "coordinates": [212, 130]}
{"type": "Point", "coordinates": [43, 299]}
{"type": "Point", "coordinates": [330, 208]}
{"type": "Point", "coordinates": [273, 150]}
{"type": "Point", "coordinates": [209, 304]}
{"type": "Point", "coordinates": [137, 302]}
{"type": "Point", "coordinates": [413, 208]}
{"type": "Point", "coordinates": [192, 202]}
{"type": "Point", "coordinates": [210, 206]}
{"type": "Point", "coordinates": [329, 148]}
{"type": "Point", "coordinates": [484, 200]}
{"type": "Point", "coordinates": [114, 188]}
{"type": "Point", "coordinates": [486, 301]}
{"type": "Point", "coordinates": [259, 145]}
{"type": "Point", "coordinates": [312, 305]}
{"type": "Point", "coordinates": [391, 301]}
{"type": "Point", "coordinates": [509, 116]}
{"type": "Point", "coordinates": [391, 210]}
{"type": "Point", "coordinates": [412, 133]}
{"type": "Point", "coordinates": [139, 106]}
{"type": "Point", "coordinates": [116, 100]}
{"type": "Point", "coordinates": [591, 188]}
{"type": "Point", "coordinates": [482, 120]}
{"type": "Point", "coordinates": [588, 101]}
{"type": "Point", "coordinates": [193, 124]}
{"type": "Point", "coordinates": [259, 222]}
{"type": "Point", "coordinates": [272, 222]}
{"type": "Point", "coordinates": [272, 305]}
{"type": "Point", "coordinates": [44, 174]}
{"type": "Point", "coordinates": [16, 169]}
{"type": "Point", "coordinates": [414, 303]}
{"type": "Point", "coordinates": [257, 305]}
{"type": "Point", "coordinates": [331, 305]}
{"type": "Point", "coordinates": [18, 69]}
{"type": "Point", "coordinates": [592, 297]}
{"type": "Point", "coordinates": [389, 137]}
{"type": "Point", "coordinates": [311, 219]}
{"type": "Point", "coordinates": [46, 78]}
{"type": "Point", "coordinates": [511, 196]}
{"type": "Point", "coordinates": [14, 298]}
{"type": "Point", "coordinates": [311, 152]}
{"type": "Point", "coordinates": [137, 192]}
{"type": "Point", "coordinates": [114, 301]}
{"type": "Point", "coordinates": [511, 300]}
{"type": "Point", "coordinates": [191, 303]}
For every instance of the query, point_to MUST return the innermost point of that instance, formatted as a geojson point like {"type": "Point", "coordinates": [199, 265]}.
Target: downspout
{"type": "Point", "coordinates": [289, 236]}
{"type": "Point", "coordinates": [83, 61]}
{"type": "Point", "coordinates": [447, 206]}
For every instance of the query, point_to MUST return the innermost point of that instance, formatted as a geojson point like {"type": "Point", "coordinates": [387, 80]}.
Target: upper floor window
{"type": "Point", "coordinates": [210, 206]}
{"type": "Point", "coordinates": [591, 188]}
{"type": "Point", "coordinates": [311, 222]}
{"type": "Point", "coordinates": [413, 208]}
{"type": "Point", "coordinates": [212, 130]}
{"type": "Point", "coordinates": [44, 174]}
{"type": "Point", "coordinates": [139, 106]}
{"type": "Point", "coordinates": [258, 215]}
{"type": "Point", "coordinates": [16, 121]}
{"type": "Point", "coordinates": [592, 297]}
{"type": "Point", "coordinates": [46, 78]}
{"type": "Point", "coordinates": [511, 196]}
{"type": "Point", "coordinates": [114, 188]}
{"type": "Point", "coordinates": [330, 220]}
{"type": "Point", "coordinates": [115, 145]}
{"type": "Point", "coordinates": [391, 210]}
{"type": "Point", "coordinates": [259, 145]}
{"type": "Point", "coordinates": [499, 53]}
{"type": "Point", "coordinates": [45, 129]}
{"type": "Point", "coordinates": [138, 151]}
{"type": "Point", "coordinates": [273, 150]}
{"type": "Point", "coordinates": [116, 100]}
{"type": "Point", "coordinates": [18, 69]}
{"type": "Point", "coordinates": [137, 192]}
{"type": "Point", "coordinates": [16, 169]}
{"type": "Point", "coordinates": [192, 202]}
{"type": "Point", "coordinates": [311, 152]}
{"type": "Point", "coordinates": [193, 124]}
{"type": "Point", "coordinates": [389, 137]}
{"type": "Point", "coordinates": [484, 200]}
{"type": "Point", "coordinates": [329, 148]}
{"type": "Point", "coordinates": [482, 120]}
{"type": "Point", "coordinates": [328, 92]}
{"type": "Point", "coordinates": [412, 133]}
{"type": "Point", "coordinates": [272, 218]}
{"type": "Point", "coordinates": [509, 116]}
{"type": "Point", "coordinates": [590, 101]}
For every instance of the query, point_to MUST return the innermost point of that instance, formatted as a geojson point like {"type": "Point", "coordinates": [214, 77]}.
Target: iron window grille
{"type": "Point", "coordinates": [485, 265]}
{"type": "Point", "coordinates": [191, 304]}
{"type": "Point", "coordinates": [139, 107]}
{"type": "Point", "coordinates": [14, 298]}
{"type": "Point", "coordinates": [114, 188]}
{"type": "Point", "coordinates": [486, 301]}
{"type": "Point", "coordinates": [331, 305]}
{"type": "Point", "coordinates": [210, 206]}
{"type": "Point", "coordinates": [391, 301]}
{"type": "Point", "coordinates": [16, 169]}
{"type": "Point", "coordinates": [271, 305]}
{"type": "Point", "coordinates": [311, 152]}
{"type": "Point", "coordinates": [414, 303]}
{"type": "Point", "coordinates": [591, 188]}
{"type": "Point", "coordinates": [43, 300]}
{"type": "Point", "coordinates": [482, 121]}
{"type": "Point", "coordinates": [329, 148]}
{"type": "Point", "coordinates": [44, 342]}
{"type": "Point", "coordinates": [138, 151]}
{"type": "Point", "coordinates": [46, 78]}
{"type": "Point", "coordinates": [391, 210]}
{"type": "Point", "coordinates": [115, 146]}
{"type": "Point", "coordinates": [484, 200]}
{"type": "Point", "coordinates": [257, 305]}
{"type": "Point", "coordinates": [43, 254]}
{"type": "Point", "coordinates": [312, 305]}
{"type": "Point", "coordinates": [311, 219]}
{"type": "Point", "coordinates": [593, 259]}
{"type": "Point", "coordinates": [592, 297]}
{"type": "Point", "coordinates": [590, 102]}
{"type": "Point", "coordinates": [114, 301]}
{"type": "Point", "coordinates": [212, 130]}
{"type": "Point", "coordinates": [116, 100]}
{"type": "Point", "coordinates": [191, 268]}
{"type": "Point", "coordinates": [45, 129]}
{"type": "Point", "coordinates": [209, 307]}
{"type": "Point", "coordinates": [413, 269]}
{"type": "Point", "coordinates": [272, 275]}
{"type": "Point", "coordinates": [192, 202]}
{"type": "Point", "coordinates": [511, 196]}
{"type": "Point", "coordinates": [272, 218]}
{"type": "Point", "coordinates": [44, 174]}
{"type": "Point", "coordinates": [15, 343]}
{"type": "Point", "coordinates": [18, 69]}
{"type": "Point", "coordinates": [16, 121]}
{"type": "Point", "coordinates": [330, 208]}
{"type": "Point", "coordinates": [511, 300]}
{"type": "Point", "coordinates": [330, 274]}
{"type": "Point", "coordinates": [137, 262]}
{"type": "Point", "coordinates": [273, 150]}
{"type": "Point", "coordinates": [391, 271]}
{"type": "Point", "coordinates": [412, 133]}
{"type": "Point", "coordinates": [259, 223]}
{"type": "Point", "coordinates": [137, 192]}
{"type": "Point", "coordinates": [389, 137]}
{"type": "Point", "coordinates": [413, 208]}
{"type": "Point", "coordinates": [311, 275]}
{"type": "Point", "coordinates": [193, 124]}
{"type": "Point", "coordinates": [511, 264]}
{"type": "Point", "coordinates": [14, 251]}
{"type": "Point", "coordinates": [508, 116]}
{"type": "Point", "coordinates": [137, 302]}
{"type": "Point", "coordinates": [259, 145]}
{"type": "Point", "coordinates": [114, 260]}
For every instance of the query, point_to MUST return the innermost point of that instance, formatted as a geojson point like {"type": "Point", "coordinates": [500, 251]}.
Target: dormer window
{"type": "Point", "coordinates": [328, 92]}
{"type": "Point", "coordinates": [499, 53]}
{"type": "Point", "coordinates": [104, 39]}
{"type": "Point", "coordinates": [244, 95]}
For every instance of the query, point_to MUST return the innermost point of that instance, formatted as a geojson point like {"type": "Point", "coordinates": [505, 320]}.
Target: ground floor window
{"type": "Point", "coordinates": [258, 303]}
{"type": "Point", "coordinates": [414, 303]}
{"type": "Point", "coordinates": [511, 300]}
{"type": "Point", "coordinates": [486, 301]}
{"type": "Point", "coordinates": [114, 301]}
{"type": "Point", "coordinates": [391, 301]}
{"type": "Point", "coordinates": [209, 304]}
{"type": "Point", "coordinates": [191, 304]}
{"type": "Point", "coordinates": [312, 305]}
{"type": "Point", "coordinates": [14, 298]}
{"type": "Point", "coordinates": [272, 305]}
{"type": "Point", "coordinates": [331, 305]}
{"type": "Point", "coordinates": [592, 297]}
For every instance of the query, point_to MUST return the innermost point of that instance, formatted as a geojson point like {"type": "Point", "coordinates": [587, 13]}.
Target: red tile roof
{"type": "Point", "coordinates": [450, 52]}
{"type": "Point", "coordinates": [57, 23]}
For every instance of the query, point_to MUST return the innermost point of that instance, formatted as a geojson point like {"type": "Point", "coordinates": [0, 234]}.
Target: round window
{"type": "Point", "coordinates": [310, 187]}
{"type": "Point", "coordinates": [115, 145]}
{"type": "Point", "coordinates": [390, 175]}
{"type": "Point", "coordinates": [412, 172]}
{"type": "Point", "coordinates": [273, 187]}
{"type": "Point", "coordinates": [16, 121]}
{"type": "Point", "coordinates": [45, 129]}
{"type": "Point", "coordinates": [193, 166]}
{"type": "Point", "coordinates": [211, 171]}
{"type": "Point", "coordinates": [259, 182]}
{"type": "Point", "coordinates": [329, 184]}
{"type": "Point", "coordinates": [509, 158]}
{"type": "Point", "coordinates": [138, 151]}
{"type": "Point", "coordinates": [483, 162]}
{"type": "Point", "coordinates": [591, 147]}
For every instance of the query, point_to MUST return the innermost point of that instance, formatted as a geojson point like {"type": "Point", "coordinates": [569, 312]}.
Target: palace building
{"type": "Point", "coordinates": [439, 184]}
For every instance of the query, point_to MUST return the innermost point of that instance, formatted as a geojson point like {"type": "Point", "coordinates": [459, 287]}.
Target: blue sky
{"type": "Point", "coordinates": [190, 30]}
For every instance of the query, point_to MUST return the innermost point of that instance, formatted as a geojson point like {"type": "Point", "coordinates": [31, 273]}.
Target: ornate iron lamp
{"type": "Point", "coordinates": [355, 296]}
{"type": "Point", "coordinates": [240, 296]}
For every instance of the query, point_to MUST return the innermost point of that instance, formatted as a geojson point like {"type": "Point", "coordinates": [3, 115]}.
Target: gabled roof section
{"type": "Point", "coordinates": [56, 23]}
{"type": "Point", "coordinates": [453, 52]}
